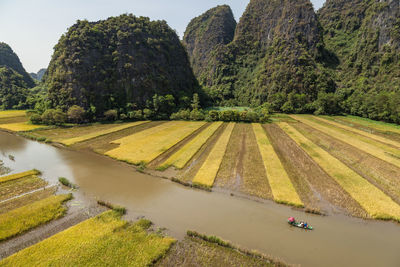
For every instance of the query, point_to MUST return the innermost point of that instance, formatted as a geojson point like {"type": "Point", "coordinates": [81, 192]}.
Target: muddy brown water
{"type": "Point", "coordinates": [336, 241]}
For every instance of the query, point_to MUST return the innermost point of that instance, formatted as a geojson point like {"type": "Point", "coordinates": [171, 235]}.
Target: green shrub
{"type": "Point", "coordinates": [111, 115]}
{"type": "Point", "coordinates": [53, 117]}
{"type": "Point", "coordinates": [76, 114]}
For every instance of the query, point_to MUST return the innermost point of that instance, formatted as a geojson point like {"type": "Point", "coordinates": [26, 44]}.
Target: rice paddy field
{"type": "Point", "coordinates": [16, 121]}
{"type": "Point", "coordinates": [319, 163]}
{"type": "Point", "coordinates": [26, 203]}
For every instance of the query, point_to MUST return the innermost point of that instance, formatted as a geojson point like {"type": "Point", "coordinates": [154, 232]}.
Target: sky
{"type": "Point", "coordinates": [33, 28]}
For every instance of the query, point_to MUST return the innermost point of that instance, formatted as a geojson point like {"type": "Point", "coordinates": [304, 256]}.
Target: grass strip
{"type": "Point", "coordinates": [372, 147]}
{"type": "Point", "coordinates": [18, 175]}
{"type": "Point", "coordinates": [360, 132]}
{"type": "Point", "coordinates": [282, 188]}
{"type": "Point", "coordinates": [147, 145]}
{"type": "Point", "coordinates": [21, 126]}
{"type": "Point", "coordinates": [78, 139]}
{"type": "Point", "coordinates": [186, 153]}
{"type": "Point", "coordinates": [374, 201]}
{"type": "Point", "coordinates": [27, 217]}
{"type": "Point", "coordinates": [12, 113]}
{"type": "Point", "coordinates": [378, 125]}
{"type": "Point", "coordinates": [104, 240]}
{"type": "Point", "coordinates": [205, 177]}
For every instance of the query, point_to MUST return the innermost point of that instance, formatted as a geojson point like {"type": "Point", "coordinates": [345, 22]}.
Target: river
{"type": "Point", "coordinates": [337, 240]}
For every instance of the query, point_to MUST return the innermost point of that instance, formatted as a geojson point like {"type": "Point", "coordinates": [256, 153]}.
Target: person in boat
{"type": "Point", "coordinates": [301, 224]}
{"type": "Point", "coordinates": [291, 220]}
{"type": "Point", "coordinates": [305, 225]}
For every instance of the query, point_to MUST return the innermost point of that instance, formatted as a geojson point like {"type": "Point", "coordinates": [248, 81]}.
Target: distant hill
{"type": "Point", "coordinates": [39, 75]}
{"type": "Point", "coordinates": [121, 61]}
{"type": "Point", "coordinates": [14, 80]}
{"type": "Point", "coordinates": [9, 59]}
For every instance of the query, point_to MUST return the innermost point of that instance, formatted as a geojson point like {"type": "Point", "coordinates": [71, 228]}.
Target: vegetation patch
{"type": "Point", "coordinates": [104, 240]}
{"type": "Point", "coordinates": [374, 201]}
{"type": "Point", "coordinates": [95, 134]}
{"type": "Point", "coordinates": [116, 208]}
{"type": "Point", "coordinates": [281, 186]}
{"type": "Point", "coordinates": [147, 145]}
{"type": "Point", "coordinates": [32, 215]}
{"type": "Point", "coordinates": [208, 171]}
{"type": "Point", "coordinates": [67, 183]}
{"type": "Point", "coordinates": [185, 154]}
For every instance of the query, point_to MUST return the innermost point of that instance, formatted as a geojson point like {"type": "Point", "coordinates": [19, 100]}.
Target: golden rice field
{"type": "Point", "coordinates": [208, 171]}
{"type": "Point", "coordinates": [374, 201]}
{"type": "Point", "coordinates": [145, 146]}
{"type": "Point", "coordinates": [12, 113]}
{"type": "Point", "coordinates": [282, 188]}
{"type": "Point", "coordinates": [104, 240]}
{"type": "Point", "coordinates": [78, 139]}
{"type": "Point", "coordinates": [27, 217]}
{"type": "Point", "coordinates": [360, 132]}
{"type": "Point", "coordinates": [185, 154]}
{"type": "Point", "coordinates": [20, 127]}
{"type": "Point", "coordinates": [18, 175]}
{"type": "Point", "coordinates": [370, 146]}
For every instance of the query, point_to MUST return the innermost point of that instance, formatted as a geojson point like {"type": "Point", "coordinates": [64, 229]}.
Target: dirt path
{"type": "Point", "coordinates": [76, 213]}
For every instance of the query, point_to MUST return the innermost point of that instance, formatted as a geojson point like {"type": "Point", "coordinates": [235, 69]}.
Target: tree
{"type": "Point", "coordinates": [195, 102]}
{"type": "Point", "coordinates": [76, 114]}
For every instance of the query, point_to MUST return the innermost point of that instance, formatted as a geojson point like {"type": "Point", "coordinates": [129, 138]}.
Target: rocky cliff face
{"type": "Point", "coordinates": [10, 60]}
{"type": "Point", "coordinates": [119, 61]}
{"type": "Point", "coordinates": [277, 48]}
{"type": "Point", "coordinates": [366, 37]}
{"type": "Point", "coordinates": [205, 33]}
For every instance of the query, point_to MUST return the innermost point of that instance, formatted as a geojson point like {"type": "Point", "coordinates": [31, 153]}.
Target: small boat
{"type": "Point", "coordinates": [302, 225]}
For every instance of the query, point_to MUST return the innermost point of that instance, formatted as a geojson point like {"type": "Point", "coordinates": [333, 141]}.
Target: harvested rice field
{"type": "Point", "coordinates": [265, 162]}
{"type": "Point", "coordinates": [145, 146]}
{"type": "Point", "coordinates": [208, 171]}
{"type": "Point", "coordinates": [374, 201]}
{"type": "Point", "coordinates": [282, 188]}
{"type": "Point", "coordinates": [242, 169]}
{"type": "Point", "coordinates": [99, 241]}
{"type": "Point", "coordinates": [26, 203]}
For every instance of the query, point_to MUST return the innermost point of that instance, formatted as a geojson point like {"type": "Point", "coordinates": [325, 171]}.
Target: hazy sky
{"type": "Point", "coordinates": [33, 27]}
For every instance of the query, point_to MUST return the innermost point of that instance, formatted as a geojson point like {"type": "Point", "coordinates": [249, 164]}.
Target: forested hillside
{"type": "Point", "coordinates": [14, 80]}
{"type": "Point", "coordinates": [365, 35]}
{"type": "Point", "coordinates": [277, 55]}
{"type": "Point", "coordinates": [121, 63]}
